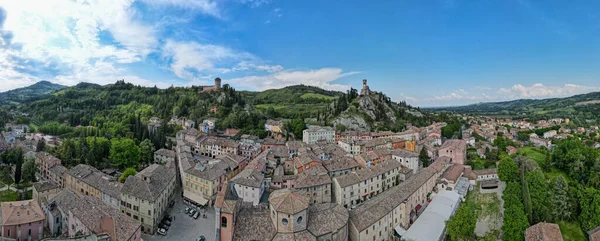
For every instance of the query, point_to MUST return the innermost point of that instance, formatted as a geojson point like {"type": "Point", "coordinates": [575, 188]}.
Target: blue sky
{"type": "Point", "coordinates": [429, 53]}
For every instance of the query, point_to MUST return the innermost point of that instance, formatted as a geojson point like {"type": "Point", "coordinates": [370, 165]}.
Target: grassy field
{"type": "Point", "coordinates": [533, 153]}
{"type": "Point", "coordinates": [317, 96]}
{"type": "Point", "coordinates": [571, 231]}
{"type": "Point", "coordinates": [539, 156]}
{"type": "Point", "coordinates": [8, 196]}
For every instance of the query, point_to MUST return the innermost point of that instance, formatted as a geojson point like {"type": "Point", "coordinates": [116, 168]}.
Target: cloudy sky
{"type": "Point", "coordinates": [429, 53]}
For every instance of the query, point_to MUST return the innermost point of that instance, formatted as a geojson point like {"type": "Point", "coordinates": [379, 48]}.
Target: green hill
{"type": "Point", "coordinates": [34, 91]}
{"type": "Point", "coordinates": [123, 107]}
{"type": "Point", "coordinates": [584, 106]}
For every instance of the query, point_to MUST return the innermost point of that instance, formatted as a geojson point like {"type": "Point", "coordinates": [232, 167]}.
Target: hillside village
{"type": "Point", "coordinates": [330, 184]}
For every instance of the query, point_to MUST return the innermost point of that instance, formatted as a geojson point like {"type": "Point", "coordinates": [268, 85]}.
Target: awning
{"type": "Point", "coordinates": [400, 230]}
{"type": "Point", "coordinates": [418, 207]}
{"type": "Point", "coordinates": [198, 199]}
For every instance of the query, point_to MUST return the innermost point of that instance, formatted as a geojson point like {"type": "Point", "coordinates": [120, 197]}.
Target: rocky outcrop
{"type": "Point", "coordinates": [352, 121]}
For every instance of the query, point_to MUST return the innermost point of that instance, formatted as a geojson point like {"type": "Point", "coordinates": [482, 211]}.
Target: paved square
{"type": "Point", "coordinates": [184, 227]}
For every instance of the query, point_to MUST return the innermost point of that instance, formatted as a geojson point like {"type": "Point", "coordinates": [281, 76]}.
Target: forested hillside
{"type": "Point", "coordinates": [36, 90]}
{"type": "Point", "coordinates": [578, 107]}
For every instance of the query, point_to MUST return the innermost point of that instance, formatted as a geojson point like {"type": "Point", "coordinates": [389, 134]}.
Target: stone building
{"type": "Point", "coordinates": [146, 196]}
{"type": "Point", "coordinates": [289, 216]}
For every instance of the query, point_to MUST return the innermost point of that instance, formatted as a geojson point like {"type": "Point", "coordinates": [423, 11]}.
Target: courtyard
{"type": "Point", "coordinates": [184, 227]}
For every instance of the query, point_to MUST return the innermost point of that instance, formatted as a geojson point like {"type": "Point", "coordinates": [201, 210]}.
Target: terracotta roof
{"type": "Point", "coordinates": [326, 218]}
{"type": "Point", "coordinates": [594, 234]}
{"type": "Point", "coordinates": [340, 163]}
{"type": "Point", "coordinates": [381, 205]}
{"type": "Point", "coordinates": [486, 172]}
{"type": "Point", "coordinates": [59, 170]}
{"type": "Point", "coordinates": [91, 176]}
{"type": "Point", "coordinates": [366, 173]}
{"type": "Point", "coordinates": [165, 152]}
{"type": "Point", "coordinates": [543, 232]}
{"type": "Point", "coordinates": [45, 186]}
{"type": "Point", "coordinates": [254, 224]}
{"type": "Point", "coordinates": [21, 212]}
{"type": "Point", "coordinates": [298, 236]}
{"type": "Point", "coordinates": [404, 153]}
{"type": "Point", "coordinates": [150, 183]}
{"type": "Point", "coordinates": [286, 201]}
{"type": "Point", "coordinates": [315, 176]}
{"type": "Point", "coordinates": [249, 177]}
{"type": "Point", "coordinates": [88, 210]}
{"type": "Point", "coordinates": [453, 172]}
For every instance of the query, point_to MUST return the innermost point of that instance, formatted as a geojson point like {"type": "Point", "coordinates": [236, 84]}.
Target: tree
{"type": "Point", "coordinates": [500, 142]}
{"type": "Point", "coordinates": [527, 201]}
{"type": "Point", "coordinates": [508, 170]}
{"type": "Point", "coordinates": [124, 153]}
{"type": "Point", "coordinates": [41, 146]}
{"type": "Point", "coordinates": [539, 195]}
{"type": "Point", "coordinates": [147, 151]}
{"type": "Point", "coordinates": [424, 157]}
{"type": "Point", "coordinates": [128, 172]}
{"type": "Point", "coordinates": [589, 204]}
{"type": "Point", "coordinates": [29, 171]}
{"type": "Point", "coordinates": [17, 157]}
{"type": "Point", "coordinates": [340, 127]}
{"type": "Point", "coordinates": [561, 206]}
{"type": "Point", "coordinates": [461, 226]}
{"type": "Point", "coordinates": [515, 220]}
{"type": "Point", "coordinates": [547, 162]}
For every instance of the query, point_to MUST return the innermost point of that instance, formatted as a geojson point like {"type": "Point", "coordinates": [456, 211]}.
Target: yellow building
{"type": "Point", "coordinates": [146, 196]}
{"type": "Point", "coordinates": [202, 181]}
{"type": "Point", "coordinates": [88, 181]}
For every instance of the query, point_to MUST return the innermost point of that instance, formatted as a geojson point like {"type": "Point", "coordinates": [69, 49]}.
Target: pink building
{"type": "Point", "coordinates": [455, 149]}
{"type": "Point", "coordinates": [23, 220]}
{"type": "Point", "coordinates": [46, 161]}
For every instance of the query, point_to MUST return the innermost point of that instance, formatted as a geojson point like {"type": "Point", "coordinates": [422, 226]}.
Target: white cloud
{"type": "Point", "coordinates": [255, 3]}
{"type": "Point", "coordinates": [541, 91]}
{"type": "Point", "coordinates": [322, 78]}
{"type": "Point", "coordinates": [189, 59]}
{"type": "Point", "coordinates": [207, 7]}
{"type": "Point", "coordinates": [64, 36]}
{"type": "Point", "coordinates": [457, 95]}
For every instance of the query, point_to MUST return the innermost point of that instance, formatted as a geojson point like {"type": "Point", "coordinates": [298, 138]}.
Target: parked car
{"type": "Point", "coordinates": [163, 226]}
{"type": "Point", "coordinates": [166, 222]}
{"type": "Point", "coordinates": [196, 215]}
{"type": "Point", "coordinates": [192, 213]}
{"type": "Point", "coordinates": [168, 217]}
{"type": "Point", "coordinates": [188, 210]}
{"type": "Point", "coordinates": [162, 232]}
{"type": "Point", "coordinates": [172, 203]}
{"type": "Point", "coordinates": [201, 238]}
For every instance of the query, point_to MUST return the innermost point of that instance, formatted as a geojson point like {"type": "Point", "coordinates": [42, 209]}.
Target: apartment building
{"type": "Point", "coordinates": [316, 134]}
{"type": "Point", "coordinates": [88, 181]}
{"type": "Point", "coordinates": [315, 184]}
{"type": "Point", "coordinates": [360, 185]}
{"type": "Point", "coordinates": [146, 196]}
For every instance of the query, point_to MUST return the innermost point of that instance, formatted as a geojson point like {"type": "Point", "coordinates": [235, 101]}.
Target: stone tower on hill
{"type": "Point", "coordinates": [215, 87]}
{"type": "Point", "coordinates": [365, 89]}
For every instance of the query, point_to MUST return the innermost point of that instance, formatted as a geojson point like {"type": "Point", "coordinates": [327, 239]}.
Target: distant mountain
{"type": "Point", "coordinates": [585, 105]}
{"type": "Point", "coordinates": [34, 91]}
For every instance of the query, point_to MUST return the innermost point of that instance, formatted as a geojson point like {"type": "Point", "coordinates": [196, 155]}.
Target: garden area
{"type": "Point", "coordinates": [479, 218]}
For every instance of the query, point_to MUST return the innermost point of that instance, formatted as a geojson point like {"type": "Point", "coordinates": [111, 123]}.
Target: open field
{"type": "Point", "coordinates": [317, 96]}
{"type": "Point", "coordinates": [571, 230]}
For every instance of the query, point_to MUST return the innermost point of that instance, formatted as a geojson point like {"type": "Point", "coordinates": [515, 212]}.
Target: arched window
{"type": "Point", "coordinates": [284, 221]}
{"type": "Point", "coordinates": [223, 222]}
{"type": "Point", "coordinates": [299, 220]}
